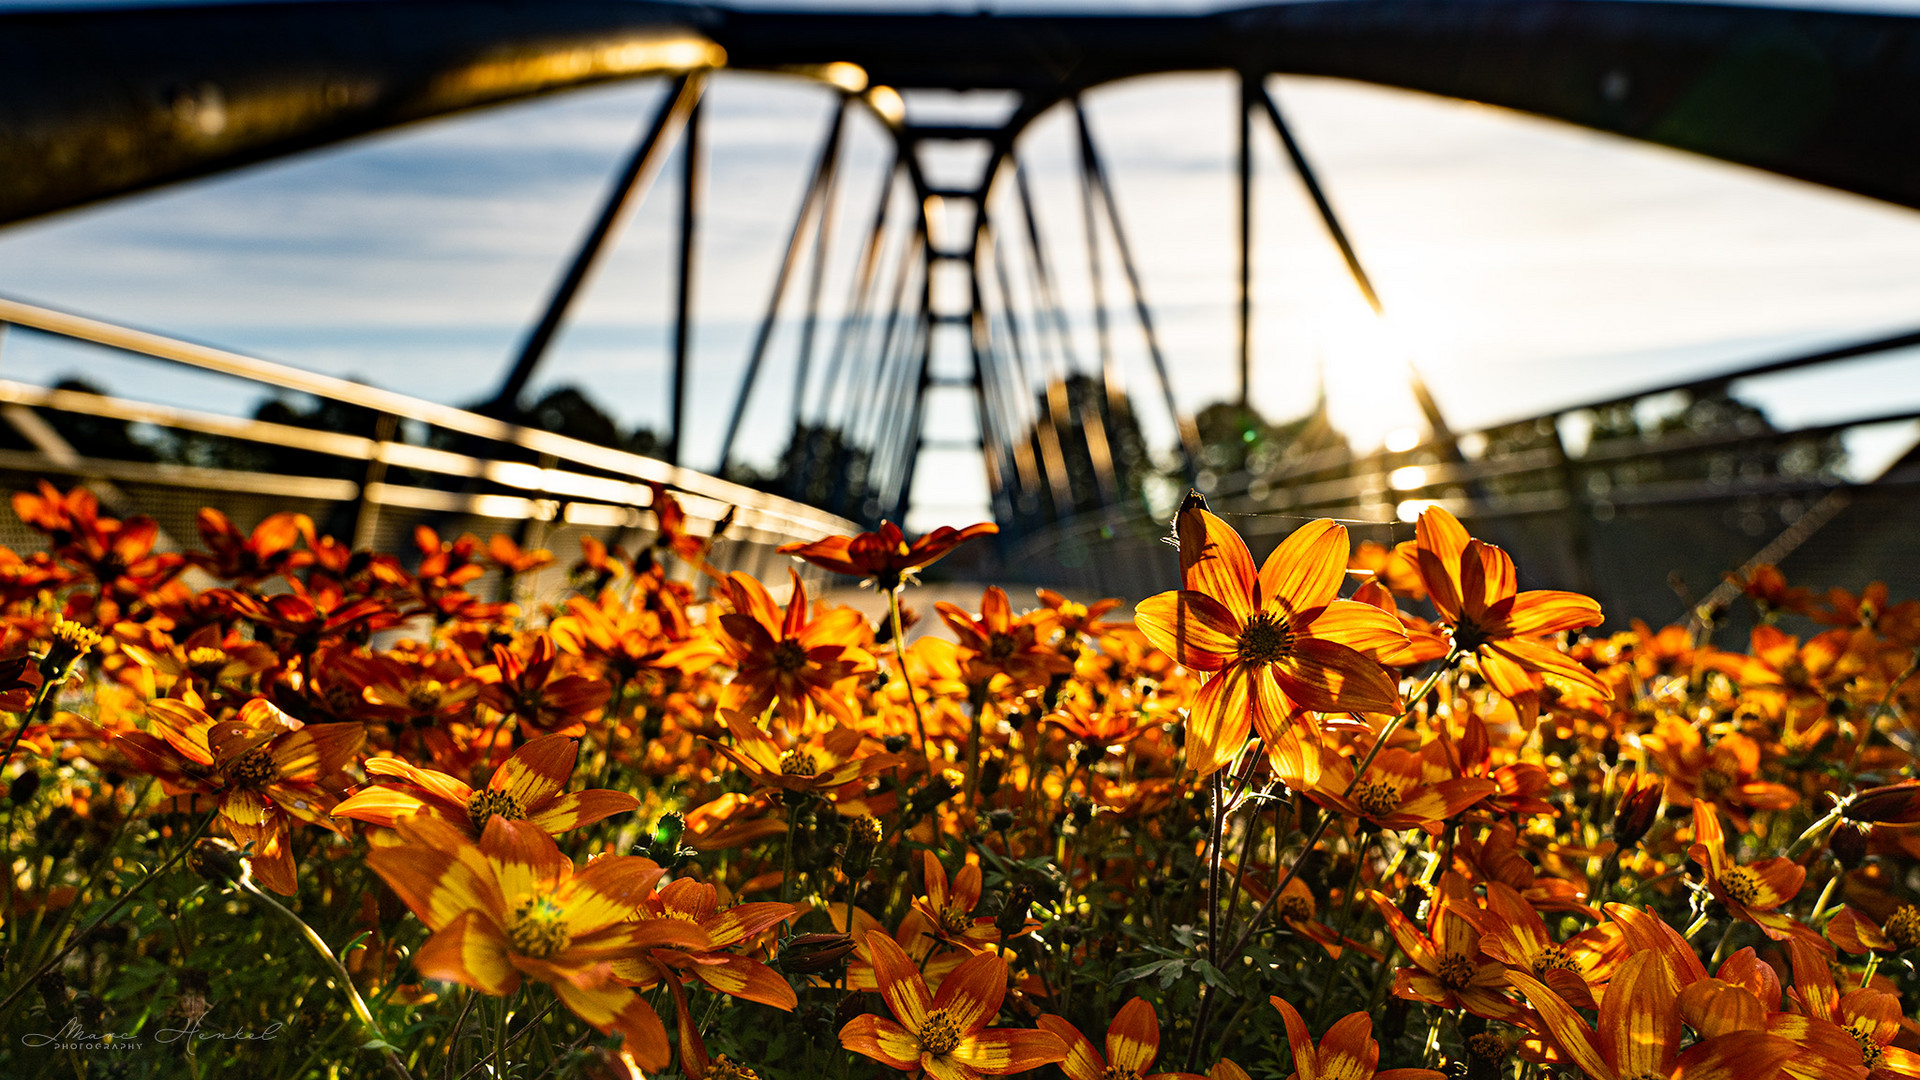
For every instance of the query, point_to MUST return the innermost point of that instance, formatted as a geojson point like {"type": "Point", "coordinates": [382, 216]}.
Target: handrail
{"type": "Point", "coordinates": [709, 494]}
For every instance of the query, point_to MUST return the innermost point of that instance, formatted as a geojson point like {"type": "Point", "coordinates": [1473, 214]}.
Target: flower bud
{"type": "Point", "coordinates": [24, 787]}
{"type": "Point", "coordinates": [864, 834]}
{"type": "Point", "coordinates": [217, 860]}
{"type": "Point", "coordinates": [1890, 804]}
{"type": "Point", "coordinates": [1013, 914]}
{"type": "Point", "coordinates": [992, 771]}
{"type": "Point", "coordinates": [1639, 808]}
{"type": "Point", "coordinates": [812, 954]}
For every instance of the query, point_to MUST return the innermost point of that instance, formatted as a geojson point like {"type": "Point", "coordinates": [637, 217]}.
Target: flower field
{"type": "Point", "coordinates": [279, 808]}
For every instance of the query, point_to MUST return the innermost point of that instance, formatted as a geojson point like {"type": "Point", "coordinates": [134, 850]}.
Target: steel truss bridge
{"type": "Point", "coordinates": [96, 104]}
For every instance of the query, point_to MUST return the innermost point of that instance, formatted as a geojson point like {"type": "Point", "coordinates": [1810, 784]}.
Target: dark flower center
{"type": "Point", "coordinates": [1552, 958]}
{"type": "Point", "coordinates": [253, 769]}
{"type": "Point", "coordinates": [1456, 971]}
{"type": "Point", "coordinates": [487, 802]}
{"type": "Point", "coordinates": [1265, 639]}
{"type": "Point", "coordinates": [1377, 798]}
{"type": "Point", "coordinates": [939, 1033]}
{"type": "Point", "coordinates": [798, 763]}
{"type": "Point", "coordinates": [788, 656]}
{"type": "Point", "coordinates": [1903, 927]}
{"type": "Point", "coordinates": [1740, 884]}
{"type": "Point", "coordinates": [1713, 784]}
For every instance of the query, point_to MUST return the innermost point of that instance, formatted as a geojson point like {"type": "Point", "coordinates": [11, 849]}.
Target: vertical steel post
{"type": "Point", "coordinates": [690, 180]}
{"type": "Point", "coordinates": [626, 193]}
{"type": "Point", "coordinates": [1246, 239]}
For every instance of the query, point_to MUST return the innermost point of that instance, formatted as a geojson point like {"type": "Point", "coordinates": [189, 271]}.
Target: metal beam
{"type": "Point", "coordinates": [1319, 196]}
{"type": "Point", "coordinates": [96, 103]}
{"type": "Point", "coordinates": [829, 149]}
{"type": "Point", "coordinates": [690, 184]}
{"type": "Point", "coordinates": [627, 191]}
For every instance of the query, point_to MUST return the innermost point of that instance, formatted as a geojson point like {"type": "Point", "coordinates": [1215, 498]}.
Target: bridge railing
{"type": "Point", "coordinates": [1647, 508]}
{"type": "Point", "coordinates": [482, 474]}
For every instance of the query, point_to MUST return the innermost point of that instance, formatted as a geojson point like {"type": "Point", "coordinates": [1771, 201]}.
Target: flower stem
{"type": "Point", "coordinates": [320, 946]}
{"type": "Point", "coordinates": [900, 656]}
{"type": "Point", "coordinates": [1319, 828]}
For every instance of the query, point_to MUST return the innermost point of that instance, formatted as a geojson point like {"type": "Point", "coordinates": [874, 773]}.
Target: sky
{"type": "Point", "coordinates": [1525, 265]}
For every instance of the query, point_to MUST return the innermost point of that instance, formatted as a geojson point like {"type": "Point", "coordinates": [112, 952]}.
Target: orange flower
{"type": "Point", "coordinates": [1474, 588]}
{"type": "Point", "coordinates": [1752, 893]}
{"type": "Point", "coordinates": [817, 767]}
{"type": "Point", "coordinates": [263, 767]}
{"type": "Point", "coordinates": [525, 684]}
{"type": "Point", "coordinates": [513, 906]}
{"type": "Point", "coordinates": [884, 554]}
{"type": "Point", "coordinates": [1133, 1043]}
{"type": "Point", "coordinates": [945, 1035]}
{"type": "Point", "coordinates": [1871, 1016]}
{"type": "Point", "coordinates": [1395, 794]}
{"type": "Point", "coordinates": [791, 661]}
{"type": "Point", "coordinates": [1639, 1031]}
{"type": "Point", "coordinates": [526, 787]}
{"type": "Point", "coordinates": [1726, 774]}
{"type": "Point", "coordinates": [1346, 1052]}
{"type": "Point", "coordinates": [1000, 644]}
{"type": "Point", "coordinates": [946, 912]}
{"type": "Point", "coordinates": [1448, 970]}
{"type": "Point", "coordinates": [1513, 933]}
{"type": "Point", "coordinates": [1274, 641]}
{"type": "Point", "coordinates": [268, 551]}
{"type": "Point", "coordinates": [739, 976]}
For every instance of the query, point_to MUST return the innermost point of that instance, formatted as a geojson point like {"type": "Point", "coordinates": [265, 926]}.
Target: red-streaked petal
{"type": "Point", "coordinates": [1361, 627]}
{"type": "Point", "coordinates": [437, 784]}
{"type": "Point", "coordinates": [469, 950]}
{"type": "Point", "coordinates": [1564, 1028]}
{"type": "Point", "coordinates": [577, 808]}
{"type": "Point", "coordinates": [1347, 1050]}
{"type": "Point", "coordinates": [1218, 721]}
{"type": "Point", "coordinates": [1306, 1059]}
{"type": "Point", "coordinates": [748, 980]}
{"type": "Point", "coordinates": [1133, 1039]}
{"type": "Point", "coordinates": [1215, 561]}
{"type": "Point", "coordinates": [971, 995]}
{"type": "Point", "coordinates": [1486, 578]}
{"type": "Point", "coordinates": [1009, 1050]}
{"type": "Point", "coordinates": [1639, 1025]}
{"type": "Point", "coordinates": [1547, 611]}
{"type": "Point", "coordinates": [882, 1040]}
{"type": "Point", "coordinates": [1082, 1062]}
{"type": "Point", "coordinates": [900, 982]}
{"type": "Point", "coordinates": [1191, 627]}
{"type": "Point", "coordinates": [1306, 570]}
{"type": "Point", "coordinates": [537, 771]}
{"type": "Point", "coordinates": [1440, 540]}
{"type": "Point", "coordinates": [1327, 677]}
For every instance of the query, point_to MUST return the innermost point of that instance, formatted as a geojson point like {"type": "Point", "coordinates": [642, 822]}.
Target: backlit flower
{"type": "Point", "coordinates": [529, 786]}
{"type": "Point", "coordinates": [1473, 586]}
{"type": "Point", "coordinates": [1274, 641]}
{"type": "Point", "coordinates": [1346, 1052]}
{"type": "Point", "coordinates": [946, 1034]}
{"type": "Point", "coordinates": [1132, 1046]}
{"type": "Point", "coordinates": [514, 907]}
{"type": "Point", "coordinates": [884, 555]}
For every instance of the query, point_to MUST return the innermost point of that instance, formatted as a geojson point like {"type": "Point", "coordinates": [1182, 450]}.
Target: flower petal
{"type": "Point", "coordinates": [1305, 571]}
{"type": "Point", "coordinates": [1215, 561]}
{"type": "Point", "coordinates": [1191, 627]}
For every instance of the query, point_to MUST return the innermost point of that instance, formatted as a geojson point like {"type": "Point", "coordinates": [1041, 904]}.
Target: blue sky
{"type": "Point", "coordinates": [1524, 264]}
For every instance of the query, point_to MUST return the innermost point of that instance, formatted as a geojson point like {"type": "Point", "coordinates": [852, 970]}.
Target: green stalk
{"type": "Point", "coordinates": [360, 1010]}
{"type": "Point", "coordinates": [900, 657]}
